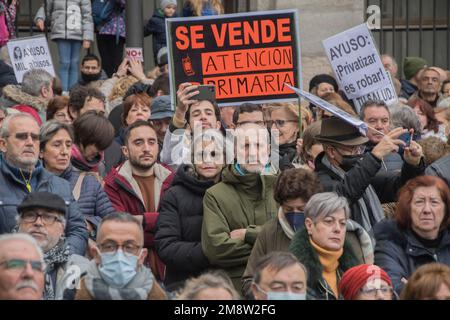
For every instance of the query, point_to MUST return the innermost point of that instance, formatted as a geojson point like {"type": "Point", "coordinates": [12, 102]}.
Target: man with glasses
{"type": "Point", "coordinates": [117, 271]}
{"type": "Point", "coordinates": [344, 168]}
{"type": "Point", "coordinates": [377, 116]}
{"type": "Point", "coordinates": [21, 268]}
{"type": "Point", "coordinates": [21, 173]}
{"type": "Point", "coordinates": [279, 276]}
{"type": "Point", "coordinates": [42, 215]}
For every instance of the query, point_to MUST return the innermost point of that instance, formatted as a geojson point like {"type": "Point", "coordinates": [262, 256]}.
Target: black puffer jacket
{"type": "Point", "coordinates": [399, 252]}
{"type": "Point", "coordinates": [366, 172]}
{"type": "Point", "coordinates": [178, 230]}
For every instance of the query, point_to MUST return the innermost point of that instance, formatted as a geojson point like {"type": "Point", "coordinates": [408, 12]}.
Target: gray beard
{"type": "Point", "coordinates": [19, 163]}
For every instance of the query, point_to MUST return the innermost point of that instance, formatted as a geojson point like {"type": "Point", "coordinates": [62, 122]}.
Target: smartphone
{"type": "Point", "coordinates": [206, 92]}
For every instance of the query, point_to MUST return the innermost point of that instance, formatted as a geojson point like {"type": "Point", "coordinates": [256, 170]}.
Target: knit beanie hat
{"type": "Point", "coordinates": [355, 278]}
{"type": "Point", "coordinates": [320, 78]}
{"type": "Point", "coordinates": [412, 65]}
{"type": "Point", "coordinates": [165, 3]}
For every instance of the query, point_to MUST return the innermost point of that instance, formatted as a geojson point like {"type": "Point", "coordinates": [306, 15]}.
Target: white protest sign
{"type": "Point", "coordinates": [356, 62]}
{"type": "Point", "coordinates": [386, 94]}
{"type": "Point", "coordinates": [347, 117]}
{"type": "Point", "coordinates": [30, 53]}
{"type": "Point", "coordinates": [135, 54]}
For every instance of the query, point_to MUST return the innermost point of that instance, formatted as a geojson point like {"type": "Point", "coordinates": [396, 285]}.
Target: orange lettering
{"type": "Point", "coordinates": [181, 33]}
{"type": "Point", "coordinates": [196, 36]}
{"type": "Point", "coordinates": [220, 38]}
{"type": "Point", "coordinates": [283, 26]}
{"type": "Point", "coordinates": [267, 31]}
{"type": "Point", "coordinates": [251, 32]}
{"type": "Point", "coordinates": [234, 31]}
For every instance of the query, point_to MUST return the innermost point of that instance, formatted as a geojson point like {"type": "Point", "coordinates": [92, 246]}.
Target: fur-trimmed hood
{"type": "Point", "coordinates": [13, 95]}
{"type": "Point", "coordinates": [317, 286]}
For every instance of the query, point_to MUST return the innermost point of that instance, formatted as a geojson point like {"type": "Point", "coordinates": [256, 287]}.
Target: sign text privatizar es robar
{"type": "Point", "coordinates": [248, 57]}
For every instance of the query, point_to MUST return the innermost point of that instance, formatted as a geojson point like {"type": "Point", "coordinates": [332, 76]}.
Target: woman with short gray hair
{"type": "Point", "coordinates": [56, 141]}
{"type": "Point", "coordinates": [321, 246]}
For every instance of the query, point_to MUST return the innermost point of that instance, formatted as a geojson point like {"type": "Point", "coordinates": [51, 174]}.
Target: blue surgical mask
{"type": "Point", "coordinates": [285, 295]}
{"type": "Point", "coordinates": [296, 219]}
{"type": "Point", "coordinates": [117, 269]}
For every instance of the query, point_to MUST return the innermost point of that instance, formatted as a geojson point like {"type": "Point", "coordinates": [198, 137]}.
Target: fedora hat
{"type": "Point", "coordinates": [335, 130]}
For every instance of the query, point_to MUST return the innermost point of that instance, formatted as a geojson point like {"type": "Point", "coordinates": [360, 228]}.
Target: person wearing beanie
{"type": "Point", "coordinates": [411, 68]}
{"type": "Point", "coordinates": [321, 84]}
{"type": "Point", "coordinates": [366, 282]}
{"type": "Point", "coordinates": [156, 25]}
{"type": "Point", "coordinates": [161, 113]}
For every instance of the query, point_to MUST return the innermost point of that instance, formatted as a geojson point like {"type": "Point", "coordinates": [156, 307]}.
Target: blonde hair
{"type": "Point", "coordinates": [216, 279]}
{"type": "Point", "coordinates": [121, 87]}
{"type": "Point", "coordinates": [292, 108]}
{"type": "Point", "coordinates": [197, 6]}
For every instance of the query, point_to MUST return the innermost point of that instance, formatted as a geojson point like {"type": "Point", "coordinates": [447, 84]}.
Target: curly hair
{"type": "Point", "coordinates": [433, 149]}
{"type": "Point", "coordinates": [296, 183]}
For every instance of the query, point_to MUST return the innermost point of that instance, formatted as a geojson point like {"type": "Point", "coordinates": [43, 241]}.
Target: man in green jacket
{"type": "Point", "coordinates": [237, 207]}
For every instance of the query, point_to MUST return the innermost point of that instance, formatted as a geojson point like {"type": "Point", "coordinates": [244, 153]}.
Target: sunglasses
{"type": "Point", "coordinates": [21, 264]}
{"type": "Point", "coordinates": [23, 136]}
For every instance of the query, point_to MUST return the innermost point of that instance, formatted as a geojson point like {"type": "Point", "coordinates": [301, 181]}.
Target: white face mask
{"type": "Point", "coordinates": [282, 295]}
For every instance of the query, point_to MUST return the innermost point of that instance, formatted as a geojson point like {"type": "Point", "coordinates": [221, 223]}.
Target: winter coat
{"type": "Point", "coordinates": [156, 26]}
{"type": "Point", "coordinates": [238, 202]}
{"type": "Point", "coordinates": [287, 153]}
{"type": "Point", "coordinates": [13, 190]}
{"type": "Point", "coordinates": [125, 195]}
{"type": "Point", "coordinates": [116, 24]}
{"type": "Point", "coordinates": [276, 236]}
{"type": "Point", "coordinates": [93, 201]}
{"type": "Point", "coordinates": [433, 104]}
{"type": "Point", "coordinates": [393, 161]}
{"type": "Point", "coordinates": [318, 288]}
{"type": "Point", "coordinates": [399, 252]}
{"type": "Point", "coordinates": [63, 276]}
{"type": "Point", "coordinates": [176, 147]}
{"type": "Point", "coordinates": [69, 19]}
{"type": "Point", "coordinates": [13, 95]}
{"type": "Point", "coordinates": [440, 168]}
{"type": "Point", "coordinates": [179, 228]}
{"type": "Point", "coordinates": [7, 75]}
{"type": "Point", "coordinates": [363, 174]}
{"type": "Point", "coordinates": [407, 89]}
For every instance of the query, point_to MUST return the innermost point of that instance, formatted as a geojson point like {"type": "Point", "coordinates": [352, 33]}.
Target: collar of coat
{"type": "Point", "coordinates": [15, 93]}
{"type": "Point", "coordinates": [302, 249]}
{"type": "Point", "coordinates": [161, 174]}
{"type": "Point", "coordinates": [388, 230]}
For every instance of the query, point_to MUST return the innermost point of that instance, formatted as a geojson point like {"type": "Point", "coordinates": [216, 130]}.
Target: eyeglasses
{"type": "Point", "coordinates": [21, 264]}
{"type": "Point", "coordinates": [353, 151]}
{"type": "Point", "coordinates": [372, 292]}
{"type": "Point", "coordinates": [279, 123]}
{"type": "Point", "coordinates": [23, 136]}
{"type": "Point", "coordinates": [46, 218]}
{"type": "Point", "coordinates": [129, 248]}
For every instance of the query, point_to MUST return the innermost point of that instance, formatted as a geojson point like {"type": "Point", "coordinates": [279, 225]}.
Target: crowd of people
{"type": "Point", "coordinates": [102, 178]}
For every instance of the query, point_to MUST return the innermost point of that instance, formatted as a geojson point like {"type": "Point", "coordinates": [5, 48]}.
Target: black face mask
{"type": "Point", "coordinates": [349, 162]}
{"type": "Point", "coordinates": [91, 77]}
{"type": "Point", "coordinates": [296, 219]}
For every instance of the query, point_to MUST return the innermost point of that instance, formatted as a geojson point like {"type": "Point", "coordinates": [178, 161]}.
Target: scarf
{"type": "Point", "coordinates": [53, 258]}
{"type": "Point", "coordinates": [288, 231]}
{"type": "Point", "coordinates": [369, 194]}
{"type": "Point", "coordinates": [137, 289]}
{"type": "Point", "coordinates": [330, 262]}
{"type": "Point", "coordinates": [82, 164]}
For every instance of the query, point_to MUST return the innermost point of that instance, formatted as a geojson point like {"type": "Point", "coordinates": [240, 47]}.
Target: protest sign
{"type": "Point", "coordinates": [356, 63]}
{"type": "Point", "coordinates": [30, 53]}
{"type": "Point", "coordinates": [386, 93]}
{"type": "Point", "coordinates": [248, 57]}
{"type": "Point", "coordinates": [135, 53]}
{"type": "Point", "coordinates": [325, 105]}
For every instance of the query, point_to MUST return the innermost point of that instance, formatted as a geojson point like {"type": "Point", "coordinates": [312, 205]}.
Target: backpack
{"type": "Point", "coordinates": [102, 10]}
{"type": "Point", "coordinates": [4, 33]}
